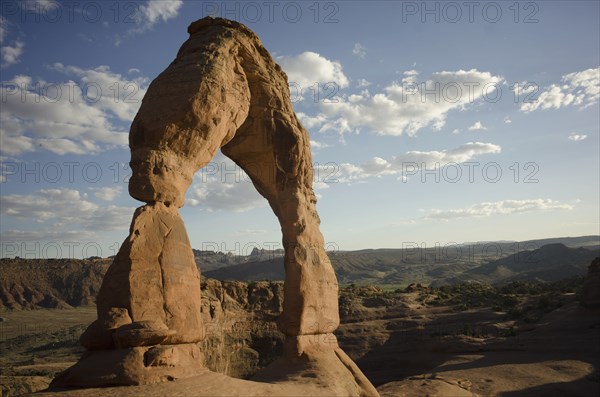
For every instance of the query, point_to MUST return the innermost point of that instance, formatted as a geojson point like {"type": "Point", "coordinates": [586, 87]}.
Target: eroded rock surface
{"type": "Point", "coordinates": [590, 292]}
{"type": "Point", "coordinates": [223, 91]}
{"type": "Point", "coordinates": [150, 297]}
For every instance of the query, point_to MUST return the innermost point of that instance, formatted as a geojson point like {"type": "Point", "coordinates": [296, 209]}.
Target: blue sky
{"type": "Point", "coordinates": [431, 122]}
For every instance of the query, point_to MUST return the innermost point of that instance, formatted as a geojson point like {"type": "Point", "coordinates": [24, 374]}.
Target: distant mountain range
{"type": "Point", "coordinates": [490, 262]}
{"type": "Point", "coordinates": [61, 283]}
{"type": "Point", "coordinates": [551, 262]}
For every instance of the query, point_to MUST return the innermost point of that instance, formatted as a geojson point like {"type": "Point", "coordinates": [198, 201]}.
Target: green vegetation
{"type": "Point", "coordinates": [521, 300]}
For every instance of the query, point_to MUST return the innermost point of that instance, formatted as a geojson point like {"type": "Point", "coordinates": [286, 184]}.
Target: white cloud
{"type": "Point", "coordinates": [68, 117]}
{"type": "Point", "coordinates": [14, 144]}
{"type": "Point", "coordinates": [405, 164]}
{"type": "Point", "coordinates": [309, 68]}
{"type": "Point", "coordinates": [581, 89]}
{"type": "Point", "coordinates": [107, 193]}
{"type": "Point", "coordinates": [362, 83]}
{"type": "Point", "coordinates": [311, 122]}
{"type": "Point", "coordinates": [407, 107]}
{"type": "Point", "coordinates": [340, 126]}
{"type": "Point", "coordinates": [504, 207]}
{"type": "Point", "coordinates": [66, 208]}
{"type": "Point", "coordinates": [318, 145]}
{"type": "Point", "coordinates": [227, 187]}
{"type": "Point", "coordinates": [154, 11]}
{"type": "Point", "coordinates": [477, 127]}
{"type": "Point", "coordinates": [118, 94]}
{"type": "Point", "coordinates": [149, 14]}
{"type": "Point", "coordinates": [319, 185]}
{"type": "Point", "coordinates": [577, 137]}
{"type": "Point", "coordinates": [111, 218]}
{"type": "Point", "coordinates": [215, 195]}
{"type": "Point", "coordinates": [11, 54]}
{"type": "Point", "coordinates": [410, 76]}
{"type": "Point", "coordinates": [359, 50]}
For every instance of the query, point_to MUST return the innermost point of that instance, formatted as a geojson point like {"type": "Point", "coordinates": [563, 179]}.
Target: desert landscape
{"type": "Point", "coordinates": [350, 199]}
{"type": "Point", "coordinates": [523, 337]}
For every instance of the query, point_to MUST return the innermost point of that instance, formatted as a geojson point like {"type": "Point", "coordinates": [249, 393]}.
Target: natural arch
{"type": "Point", "coordinates": [223, 91]}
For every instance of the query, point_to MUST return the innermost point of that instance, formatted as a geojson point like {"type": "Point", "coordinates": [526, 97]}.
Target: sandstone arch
{"type": "Point", "coordinates": [240, 103]}
{"type": "Point", "coordinates": [223, 91]}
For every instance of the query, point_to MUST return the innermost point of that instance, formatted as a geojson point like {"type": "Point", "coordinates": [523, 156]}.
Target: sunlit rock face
{"type": "Point", "coordinates": [223, 91]}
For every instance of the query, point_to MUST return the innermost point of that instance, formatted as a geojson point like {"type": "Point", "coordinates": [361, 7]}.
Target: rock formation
{"type": "Point", "coordinates": [223, 91]}
{"type": "Point", "coordinates": [148, 309]}
{"type": "Point", "coordinates": [590, 292]}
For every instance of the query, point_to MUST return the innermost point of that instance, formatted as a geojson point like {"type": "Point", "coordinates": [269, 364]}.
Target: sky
{"type": "Point", "coordinates": [430, 122]}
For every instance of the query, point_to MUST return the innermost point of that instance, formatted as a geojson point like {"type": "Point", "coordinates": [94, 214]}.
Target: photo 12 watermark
{"type": "Point", "coordinates": [470, 11]}
{"type": "Point", "coordinates": [131, 12]}
{"type": "Point", "coordinates": [422, 252]}
{"type": "Point", "coordinates": [208, 250]}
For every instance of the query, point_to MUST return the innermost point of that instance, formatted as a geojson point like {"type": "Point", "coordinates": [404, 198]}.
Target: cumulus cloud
{"type": "Point", "coordinates": [359, 50]}
{"type": "Point", "coordinates": [309, 68]}
{"type": "Point", "coordinates": [410, 76]}
{"type": "Point", "coordinates": [477, 127]}
{"type": "Point", "coordinates": [310, 122]}
{"type": "Point", "coordinates": [107, 193]}
{"type": "Point", "coordinates": [110, 91]}
{"type": "Point", "coordinates": [223, 185]}
{"type": "Point", "coordinates": [504, 207]}
{"type": "Point", "coordinates": [215, 195]}
{"type": "Point", "coordinates": [577, 137]}
{"type": "Point", "coordinates": [319, 185]}
{"type": "Point", "coordinates": [318, 145]}
{"type": "Point", "coordinates": [581, 89]}
{"type": "Point", "coordinates": [155, 11]}
{"type": "Point", "coordinates": [403, 165]}
{"type": "Point", "coordinates": [362, 83]}
{"type": "Point", "coordinates": [11, 54]}
{"type": "Point", "coordinates": [408, 106]}
{"type": "Point", "coordinates": [149, 14]}
{"type": "Point", "coordinates": [66, 209]}
{"type": "Point", "coordinates": [72, 117]}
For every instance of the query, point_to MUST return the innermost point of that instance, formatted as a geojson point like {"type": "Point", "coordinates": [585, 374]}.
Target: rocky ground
{"type": "Point", "coordinates": [523, 339]}
{"type": "Point", "coordinates": [547, 345]}
{"type": "Point", "coordinates": [240, 321]}
{"type": "Point", "coordinates": [469, 339]}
